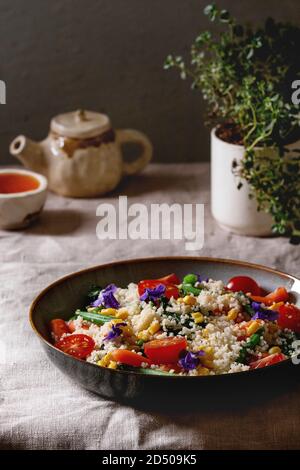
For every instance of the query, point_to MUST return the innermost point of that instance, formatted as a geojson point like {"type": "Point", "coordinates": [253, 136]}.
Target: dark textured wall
{"type": "Point", "coordinates": [59, 55]}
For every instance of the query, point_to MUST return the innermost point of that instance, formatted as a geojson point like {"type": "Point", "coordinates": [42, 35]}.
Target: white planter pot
{"type": "Point", "coordinates": [231, 207]}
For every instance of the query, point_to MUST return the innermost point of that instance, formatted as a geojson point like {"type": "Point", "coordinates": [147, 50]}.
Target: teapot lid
{"type": "Point", "coordinates": [80, 124]}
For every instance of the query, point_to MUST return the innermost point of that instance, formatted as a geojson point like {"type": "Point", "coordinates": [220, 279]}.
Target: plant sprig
{"type": "Point", "coordinates": [245, 76]}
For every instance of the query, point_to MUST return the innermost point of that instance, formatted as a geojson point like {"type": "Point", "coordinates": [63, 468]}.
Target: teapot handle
{"type": "Point", "coordinates": [125, 136]}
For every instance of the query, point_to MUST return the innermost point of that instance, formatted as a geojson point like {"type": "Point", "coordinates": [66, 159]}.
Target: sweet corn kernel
{"type": "Point", "coordinates": [109, 311]}
{"type": "Point", "coordinates": [154, 327]}
{"type": "Point", "coordinates": [112, 365]}
{"type": "Point", "coordinates": [198, 317]}
{"type": "Point", "coordinates": [275, 306]}
{"type": "Point", "coordinates": [205, 333]}
{"type": "Point", "coordinates": [127, 330]}
{"type": "Point", "coordinates": [115, 321]}
{"type": "Point", "coordinates": [232, 314]}
{"type": "Point", "coordinates": [203, 370]}
{"type": "Point", "coordinates": [274, 350]}
{"type": "Point", "coordinates": [207, 363]}
{"type": "Point", "coordinates": [144, 335]}
{"type": "Point", "coordinates": [207, 359]}
{"type": "Point", "coordinates": [209, 352]}
{"type": "Point", "coordinates": [104, 361]}
{"type": "Point", "coordinates": [122, 313]}
{"type": "Point", "coordinates": [189, 300]}
{"type": "Point", "coordinates": [253, 327]}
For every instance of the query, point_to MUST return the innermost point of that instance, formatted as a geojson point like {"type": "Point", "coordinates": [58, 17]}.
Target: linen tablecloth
{"type": "Point", "coordinates": [42, 409]}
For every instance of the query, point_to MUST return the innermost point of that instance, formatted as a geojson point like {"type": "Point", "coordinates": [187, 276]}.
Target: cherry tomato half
{"type": "Point", "coordinates": [245, 284]}
{"type": "Point", "coordinates": [171, 289]}
{"type": "Point", "coordinates": [165, 351]}
{"type": "Point", "coordinates": [79, 346]}
{"type": "Point", "coordinates": [267, 361]}
{"type": "Point", "coordinates": [279, 295]}
{"type": "Point", "coordinates": [58, 328]}
{"type": "Point", "coordinates": [129, 358]}
{"type": "Point", "coordinates": [289, 317]}
{"type": "Point", "coordinates": [169, 279]}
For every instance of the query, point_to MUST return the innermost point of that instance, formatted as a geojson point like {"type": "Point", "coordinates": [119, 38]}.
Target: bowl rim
{"type": "Point", "coordinates": [149, 259]}
{"type": "Point", "coordinates": [42, 180]}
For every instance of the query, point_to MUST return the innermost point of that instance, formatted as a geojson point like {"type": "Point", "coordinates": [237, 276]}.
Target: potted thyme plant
{"type": "Point", "coordinates": [245, 75]}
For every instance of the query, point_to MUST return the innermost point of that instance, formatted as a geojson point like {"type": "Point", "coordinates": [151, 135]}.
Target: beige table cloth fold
{"type": "Point", "coordinates": [41, 409]}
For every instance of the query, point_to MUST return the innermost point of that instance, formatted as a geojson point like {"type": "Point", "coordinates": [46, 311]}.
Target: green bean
{"type": "Point", "coordinates": [248, 309]}
{"type": "Point", "coordinates": [189, 289]}
{"type": "Point", "coordinates": [251, 343]}
{"type": "Point", "coordinates": [96, 318]}
{"type": "Point", "coordinates": [254, 340]}
{"type": "Point", "coordinates": [190, 279]}
{"type": "Point", "coordinates": [145, 371]}
{"type": "Point", "coordinates": [242, 355]}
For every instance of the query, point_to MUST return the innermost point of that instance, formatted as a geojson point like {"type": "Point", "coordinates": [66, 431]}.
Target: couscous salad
{"type": "Point", "coordinates": [194, 326]}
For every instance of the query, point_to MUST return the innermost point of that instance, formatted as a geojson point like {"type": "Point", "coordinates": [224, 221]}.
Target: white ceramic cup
{"type": "Point", "coordinates": [231, 207]}
{"type": "Point", "coordinates": [18, 210]}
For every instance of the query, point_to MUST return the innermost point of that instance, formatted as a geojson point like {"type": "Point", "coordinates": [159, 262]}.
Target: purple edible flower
{"type": "Point", "coordinates": [256, 305]}
{"type": "Point", "coordinates": [115, 331]}
{"type": "Point", "coordinates": [263, 313]}
{"type": "Point", "coordinates": [106, 298]}
{"type": "Point", "coordinates": [269, 315]}
{"type": "Point", "coordinates": [190, 360]}
{"type": "Point", "coordinates": [153, 294]}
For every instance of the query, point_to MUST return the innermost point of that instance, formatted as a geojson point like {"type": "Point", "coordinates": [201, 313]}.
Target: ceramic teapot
{"type": "Point", "coordinates": [82, 155]}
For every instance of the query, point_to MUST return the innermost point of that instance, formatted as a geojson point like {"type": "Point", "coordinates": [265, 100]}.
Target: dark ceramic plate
{"type": "Point", "coordinates": [64, 296]}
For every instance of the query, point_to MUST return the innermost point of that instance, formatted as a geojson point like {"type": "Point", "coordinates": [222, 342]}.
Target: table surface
{"type": "Point", "coordinates": [41, 408]}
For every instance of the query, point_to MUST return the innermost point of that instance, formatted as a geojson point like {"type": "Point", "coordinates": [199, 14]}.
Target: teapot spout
{"type": "Point", "coordinates": [30, 153]}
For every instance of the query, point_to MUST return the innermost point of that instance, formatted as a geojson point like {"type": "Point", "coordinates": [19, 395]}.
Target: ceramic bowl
{"type": "Point", "coordinates": [18, 210]}
{"type": "Point", "coordinates": [64, 296]}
